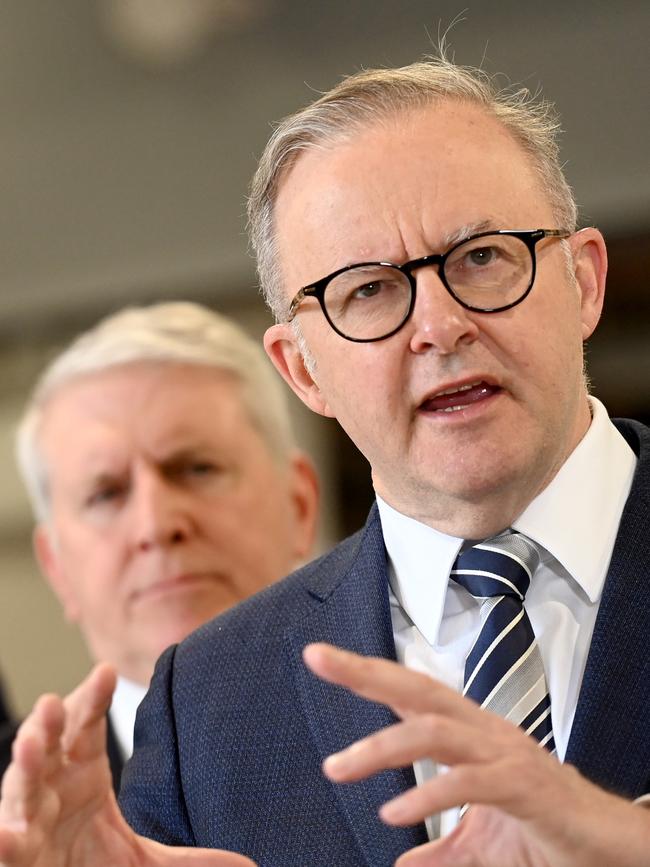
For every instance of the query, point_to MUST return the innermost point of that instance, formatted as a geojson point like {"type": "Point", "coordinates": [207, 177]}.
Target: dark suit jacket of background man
{"type": "Point", "coordinates": [230, 739]}
{"type": "Point", "coordinates": [8, 731]}
{"type": "Point", "coordinates": [8, 728]}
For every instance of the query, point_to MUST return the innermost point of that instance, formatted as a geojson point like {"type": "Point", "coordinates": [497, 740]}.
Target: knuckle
{"type": "Point", "coordinates": [431, 725]}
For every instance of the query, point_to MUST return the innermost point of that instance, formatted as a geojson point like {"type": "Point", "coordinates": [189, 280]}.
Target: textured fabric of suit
{"type": "Point", "coordinates": [230, 738]}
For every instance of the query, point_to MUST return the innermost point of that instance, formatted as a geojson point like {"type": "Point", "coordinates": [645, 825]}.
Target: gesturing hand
{"type": "Point", "coordinates": [528, 809]}
{"type": "Point", "coordinates": [58, 808]}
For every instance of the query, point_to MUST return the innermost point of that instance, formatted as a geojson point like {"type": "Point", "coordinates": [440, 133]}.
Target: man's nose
{"type": "Point", "coordinates": [158, 515]}
{"type": "Point", "coordinates": [439, 322]}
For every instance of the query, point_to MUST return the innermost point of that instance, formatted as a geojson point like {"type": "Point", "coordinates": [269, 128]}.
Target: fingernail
{"type": "Point", "coordinates": [333, 763]}
{"type": "Point", "coordinates": [392, 811]}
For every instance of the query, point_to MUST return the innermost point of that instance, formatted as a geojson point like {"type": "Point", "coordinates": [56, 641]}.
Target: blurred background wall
{"type": "Point", "coordinates": [129, 130]}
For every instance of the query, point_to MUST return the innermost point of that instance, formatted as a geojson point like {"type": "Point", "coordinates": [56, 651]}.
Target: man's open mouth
{"type": "Point", "coordinates": [459, 397]}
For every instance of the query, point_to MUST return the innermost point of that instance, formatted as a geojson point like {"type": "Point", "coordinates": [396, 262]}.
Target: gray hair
{"type": "Point", "coordinates": [371, 96]}
{"type": "Point", "coordinates": [172, 332]}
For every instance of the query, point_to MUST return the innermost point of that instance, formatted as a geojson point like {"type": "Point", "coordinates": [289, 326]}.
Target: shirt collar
{"type": "Point", "coordinates": [421, 559]}
{"type": "Point", "coordinates": [575, 518]}
{"type": "Point", "coordinates": [126, 698]}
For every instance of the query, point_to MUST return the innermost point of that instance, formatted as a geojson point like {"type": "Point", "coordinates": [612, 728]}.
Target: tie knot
{"type": "Point", "coordinates": [501, 566]}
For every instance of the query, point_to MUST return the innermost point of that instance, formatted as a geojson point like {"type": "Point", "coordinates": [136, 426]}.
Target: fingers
{"type": "Point", "coordinates": [35, 753]}
{"type": "Point", "coordinates": [477, 784]}
{"type": "Point", "coordinates": [438, 854]}
{"type": "Point", "coordinates": [495, 770]}
{"type": "Point", "coordinates": [490, 760]}
{"type": "Point", "coordinates": [25, 796]}
{"type": "Point", "coordinates": [46, 741]}
{"type": "Point", "coordinates": [157, 854]}
{"type": "Point", "coordinates": [85, 707]}
{"type": "Point", "coordinates": [425, 736]}
{"type": "Point", "coordinates": [405, 691]}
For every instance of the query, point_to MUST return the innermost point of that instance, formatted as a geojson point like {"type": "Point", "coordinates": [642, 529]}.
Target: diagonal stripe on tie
{"type": "Point", "coordinates": [503, 637]}
{"type": "Point", "coordinates": [504, 671]}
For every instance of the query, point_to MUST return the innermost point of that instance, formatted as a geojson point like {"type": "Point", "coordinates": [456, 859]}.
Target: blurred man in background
{"type": "Point", "coordinates": [5, 714]}
{"type": "Point", "coordinates": [161, 465]}
{"type": "Point", "coordinates": [8, 728]}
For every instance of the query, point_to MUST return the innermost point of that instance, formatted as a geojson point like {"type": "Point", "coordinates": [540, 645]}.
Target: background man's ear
{"type": "Point", "coordinates": [305, 495]}
{"type": "Point", "coordinates": [51, 567]}
{"type": "Point", "coordinates": [282, 348]}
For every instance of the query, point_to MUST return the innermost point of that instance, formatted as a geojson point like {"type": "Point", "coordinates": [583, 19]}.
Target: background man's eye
{"type": "Point", "coordinates": [200, 468]}
{"type": "Point", "coordinates": [105, 495]}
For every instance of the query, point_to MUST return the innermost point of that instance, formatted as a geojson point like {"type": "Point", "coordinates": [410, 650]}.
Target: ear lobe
{"type": "Point", "coordinates": [305, 493]}
{"type": "Point", "coordinates": [590, 266]}
{"type": "Point", "coordinates": [48, 560]}
{"type": "Point", "coordinates": [282, 348]}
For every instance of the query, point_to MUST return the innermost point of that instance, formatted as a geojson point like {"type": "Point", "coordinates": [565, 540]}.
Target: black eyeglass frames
{"type": "Point", "coordinates": [487, 273]}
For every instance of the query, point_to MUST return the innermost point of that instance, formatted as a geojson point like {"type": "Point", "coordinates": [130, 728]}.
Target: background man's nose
{"type": "Point", "coordinates": [157, 513]}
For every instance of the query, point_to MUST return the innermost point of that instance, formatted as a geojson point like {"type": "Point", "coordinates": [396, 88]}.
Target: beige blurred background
{"type": "Point", "coordinates": [128, 133]}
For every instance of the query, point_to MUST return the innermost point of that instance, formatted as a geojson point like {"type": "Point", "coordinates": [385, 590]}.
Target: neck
{"type": "Point", "coordinates": [485, 511]}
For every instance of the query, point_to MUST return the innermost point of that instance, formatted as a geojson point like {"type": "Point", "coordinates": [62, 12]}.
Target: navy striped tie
{"type": "Point", "coordinates": [504, 671]}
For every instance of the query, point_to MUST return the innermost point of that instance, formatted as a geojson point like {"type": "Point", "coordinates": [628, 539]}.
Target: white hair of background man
{"type": "Point", "coordinates": [174, 333]}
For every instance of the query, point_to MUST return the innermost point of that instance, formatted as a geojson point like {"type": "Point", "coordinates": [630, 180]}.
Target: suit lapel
{"type": "Point", "coordinates": [354, 613]}
{"type": "Point", "coordinates": [609, 741]}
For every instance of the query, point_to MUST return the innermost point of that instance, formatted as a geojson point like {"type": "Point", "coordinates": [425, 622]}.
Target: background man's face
{"type": "Point", "coordinates": [404, 189]}
{"type": "Point", "coordinates": [167, 507]}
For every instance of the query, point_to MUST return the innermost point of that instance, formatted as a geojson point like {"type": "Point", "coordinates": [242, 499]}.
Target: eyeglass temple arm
{"type": "Point", "coordinates": [295, 303]}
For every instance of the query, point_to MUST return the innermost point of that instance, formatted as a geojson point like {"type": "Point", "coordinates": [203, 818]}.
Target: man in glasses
{"type": "Point", "coordinates": [417, 242]}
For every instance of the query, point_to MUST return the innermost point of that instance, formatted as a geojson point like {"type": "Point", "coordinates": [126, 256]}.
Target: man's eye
{"type": "Point", "coordinates": [102, 496]}
{"type": "Point", "coordinates": [368, 290]}
{"type": "Point", "coordinates": [201, 468]}
{"type": "Point", "coordinates": [194, 470]}
{"type": "Point", "coordinates": [482, 255]}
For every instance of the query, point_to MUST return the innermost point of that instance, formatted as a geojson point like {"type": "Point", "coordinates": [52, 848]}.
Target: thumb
{"type": "Point", "coordinates": [167, 856]}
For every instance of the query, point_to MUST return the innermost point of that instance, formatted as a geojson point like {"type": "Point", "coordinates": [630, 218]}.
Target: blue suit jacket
{"type": "Point", "coordinates": [230, 738]}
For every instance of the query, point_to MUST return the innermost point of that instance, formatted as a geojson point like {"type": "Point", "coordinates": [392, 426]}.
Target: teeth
{"type": "Point", "coordinates": [454, 408]}
{"type": "Point", "coordinates": [460, 388]}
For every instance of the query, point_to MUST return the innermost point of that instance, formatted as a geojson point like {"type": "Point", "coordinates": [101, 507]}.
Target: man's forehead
{"type": "Point", "coordinates": [183, 402]}
{"type": "Point", "coordinates": [448, 118]}
{"type": "Point", "coordinates": [435, 172]}
{"type": "Point", "coordinates": [96, 389]}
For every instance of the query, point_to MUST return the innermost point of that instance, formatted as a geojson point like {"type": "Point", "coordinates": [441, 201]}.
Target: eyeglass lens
{"type": "Point", "coordinates": [370, 301]}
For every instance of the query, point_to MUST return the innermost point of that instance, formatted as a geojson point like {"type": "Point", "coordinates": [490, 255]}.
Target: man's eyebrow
{"type": "Point", "coordinates": [199, 449]}
{"type": "Point", "coordinates": [468, 230]}
{"type": "Point", "coordinates": [95, 481]}
{"type": "Point", "coordinates": [101, 477]}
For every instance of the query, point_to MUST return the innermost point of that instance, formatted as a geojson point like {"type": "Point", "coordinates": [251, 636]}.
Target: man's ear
{"type": "Point", "coordinates": [281, 346]}
{"type": "Point", "coordinates": [590, 268]}
{"type": "Point", "coordinates": [50, 564]}
{"type": "Point", "coordinates": [305, 495]}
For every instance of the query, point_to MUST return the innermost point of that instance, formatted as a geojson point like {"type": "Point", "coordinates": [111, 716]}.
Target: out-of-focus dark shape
{"type": "Point", "coordinates": [170, 32]}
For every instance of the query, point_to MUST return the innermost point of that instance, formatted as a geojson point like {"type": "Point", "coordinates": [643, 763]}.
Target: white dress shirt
{"type": "Point", "coordinates": [574, 522]}
{"type": "Point", "coordinates": [126, 699]}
